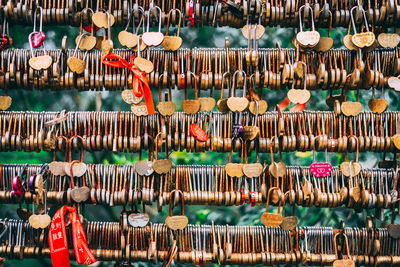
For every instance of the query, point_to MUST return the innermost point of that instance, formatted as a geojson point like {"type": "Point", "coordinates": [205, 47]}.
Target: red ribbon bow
{"type": "Point", "coordinates": [140, 84]}
{"type": "Point", "coordinates": [58, 240]}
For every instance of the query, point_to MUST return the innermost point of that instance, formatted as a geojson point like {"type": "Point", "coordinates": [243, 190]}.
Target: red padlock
{"type": "Point", "coordinates": [191, 13]}
{"type": "Point", "coordinates": [198, 132]}
{"type": "Point", "coordinates": [183, 79]}
{"type": "Point", "coordinates": [4, 39]}
{"type": "Point", "coordinates": [242, 196]}
{"type": "Point", "coordinates": [253, 198]}
{"type": "Point", "coordinates": [3, 42]}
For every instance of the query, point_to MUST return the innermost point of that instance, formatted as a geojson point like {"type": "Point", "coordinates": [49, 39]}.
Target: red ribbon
{"type": "Point", "coordinates": [58, 240]}
{"type": "Point", "coordinates": [298, 107]}
{"type": "Point", "coordinates": [88, 28]}
{"type": "Point", "coordinates": [140, 84]}
{"type": "Point", "coordinates": [285, 103]}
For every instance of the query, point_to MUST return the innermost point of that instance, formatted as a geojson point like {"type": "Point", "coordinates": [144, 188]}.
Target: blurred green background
{"type": "Point", "coordinates": [205, 37]}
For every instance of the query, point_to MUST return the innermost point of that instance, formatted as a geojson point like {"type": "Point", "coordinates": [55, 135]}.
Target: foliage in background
{"type": "Point", "coordinates": [204, 37]}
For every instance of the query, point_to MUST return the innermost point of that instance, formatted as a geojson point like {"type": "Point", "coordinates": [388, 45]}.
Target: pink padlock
{"type": "Point", "coordinates": [321, 169]}
{"type": "Point", "coordinates": [37, 37]}
{"type": "Point", "coordinates": [17, 187]}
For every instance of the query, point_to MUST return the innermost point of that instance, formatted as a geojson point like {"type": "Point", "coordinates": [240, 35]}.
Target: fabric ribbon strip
{"type": "Point", "coordinates": [285, 103]}
{"type": "Point", "coordinates": [298, 108]}
{"type": "Point", "coordinates": [140, 84]}
{"type": "Point", "coordinates": [58, 239]}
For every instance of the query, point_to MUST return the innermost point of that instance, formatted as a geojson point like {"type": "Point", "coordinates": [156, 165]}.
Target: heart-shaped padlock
{"type": "Point", "coordinates": [37, 37]}
{"type": "Point", "coordinates": [152, 38]}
